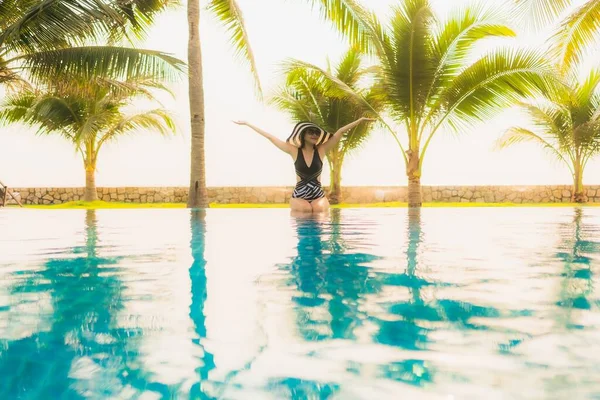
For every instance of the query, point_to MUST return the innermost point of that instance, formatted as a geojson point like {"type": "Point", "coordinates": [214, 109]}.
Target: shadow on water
{"type": "Point", "coordinates": [82, 354]}
{"type": "Point", "coordinates": [200, 389]}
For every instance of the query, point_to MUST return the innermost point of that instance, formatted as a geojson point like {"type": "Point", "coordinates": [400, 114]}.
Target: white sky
{"type": "Point", "coordinates": [236, 156]}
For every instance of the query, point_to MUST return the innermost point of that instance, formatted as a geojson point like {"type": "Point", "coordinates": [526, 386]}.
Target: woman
{"type": "Point", "coordinates": [308, 144]}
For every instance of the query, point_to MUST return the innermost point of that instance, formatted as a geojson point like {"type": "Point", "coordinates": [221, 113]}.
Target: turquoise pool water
{"type": "Point", "coordinates": [473, 303]}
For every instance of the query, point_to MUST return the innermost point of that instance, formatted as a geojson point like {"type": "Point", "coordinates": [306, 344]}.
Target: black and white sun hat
{"type": "Point", "coordinates": [301, 127]}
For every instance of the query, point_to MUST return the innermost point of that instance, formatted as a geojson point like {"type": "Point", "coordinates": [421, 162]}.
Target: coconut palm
{"type": "Point", "coordinates": [306, 96]}
{"type": "Point", "coordinates": [568, 126]}
{"type": "Point", "coordinates": [88, 114]}
{"type": "Point", "coordinates": [42, 41]}
{"type": "Point", "coordinates": [229, 13]}
{"type": "Point", "coordinates": [576, 31]}
{"type": "Point", "coordinates": [428, 77]}
{"type": "Point", "coordinates": [46, 38]}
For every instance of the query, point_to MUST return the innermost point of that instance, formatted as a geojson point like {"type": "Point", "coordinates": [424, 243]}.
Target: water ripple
{"type": "Point", "coordinates": [245, 304]}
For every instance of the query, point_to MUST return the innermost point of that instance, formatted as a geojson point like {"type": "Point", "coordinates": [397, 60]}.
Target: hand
{"type": "Point", "coordinates": [240, 122]}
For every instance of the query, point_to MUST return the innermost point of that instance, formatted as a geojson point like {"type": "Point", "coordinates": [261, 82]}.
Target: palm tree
{"type": "Point", "coordinates": [306, 96]}
{"type": "Point", "coordinates": [41, 41]}
{"type": "Point", "coordinates": [428, 78]}
{"type": "Point", "coordinates": [87, 114]}
{"type": "Point", "coordinates": [568, 126]}
{"type": "Point", "coordinates": [51, 38]}
{"type": "Point", "coordinates": [229, 13]}
{"type": "Point", "coordinates": [576, 32]}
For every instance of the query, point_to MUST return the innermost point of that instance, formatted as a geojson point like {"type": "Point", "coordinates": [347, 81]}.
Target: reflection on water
{"type": "Point", "coordinates": [331, 279]}
{"type": "Point", "coordinates": [85, 295]}
{"type": "Point", "coordinates": [473, 303]}
{"type": "Point", "coordinates": [577, 285]}
{"type": "Point", "coordinates": [199, 295]}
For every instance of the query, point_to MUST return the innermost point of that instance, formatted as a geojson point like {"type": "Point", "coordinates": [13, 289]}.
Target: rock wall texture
{"type": "Point", "coordinates": [353, 195]}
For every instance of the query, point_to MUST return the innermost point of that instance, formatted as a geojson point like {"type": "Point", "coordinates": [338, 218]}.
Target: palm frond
{"type": "Point", "coordinates": [330, 99]}
{"type": "Point", "coordinates": [348, 70]}
{"type": "Point", "coordinates": [356, 138]}
{"type": "Point", "coordinates": [538, 14]}
{"type": "Point", "coordinates": [159, 120]}
{"type": "Point", "coordinates": [314, 92]}
{"type": "Point", "coordinates": [349, 17]}
{"type": "Point", "coordinates": [9, 77]}
{"type": "Point", "coordinates": [29, 26]}
{"type": "Point", "coordinates": [375, 97]}
{"type": "Point", "coordinates": [517, 135]}
{"type": "Point", "coordinates": [54, 112]}
{"type": "Point", "coordinates": [498, 80]}
{"type": "Point", "coordinates": [94, 123]}
{"type": "Point", "coordinates": [353, 96]}
{"type": "Point", "coordinates": [91, 62]}
{"type": "Point", "coordinates": [409, 75]}
{"type": "Point", "coordinates": [595, 105]}
{"type": "Point", "coordinates": [552, 119]}
{"type": "Point", "coordinates": [47, 113]}
{"type": "Point", "coordinates": [336, 84]}
{"type": "Point", "coordinates": [585, 98]}
{"type": "Point", "coordinates": [111, 89]}
{"type": "Point", "coordinates": [291, 101]}
{"type": "Point", "coordinates": [592, 147]}
{"type": "Point", "coordinates": [229, 13]}
{"type": "Point", "coordinates": [579, 30]}
{"type": "Point", "coordinates": [300, 74]}
{"type": "Point", "coordinates": [51, 24]}
{"type": "Point", "coordinates": [12, 10]}
{"type": "Point", "coordinates": [15, 108]}
{"type": "Point", "coordinates": [83, 118]}
{"type": "Point", "coordinates": [586, 136]}
{"type": "Point", "coordinates": [459, 35]}
{"type": "Point", "coordinates": [140, 14]}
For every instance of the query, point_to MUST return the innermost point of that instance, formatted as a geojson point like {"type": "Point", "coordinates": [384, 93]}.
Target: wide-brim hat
{"type": "Point", "coordinates": [301, 127]}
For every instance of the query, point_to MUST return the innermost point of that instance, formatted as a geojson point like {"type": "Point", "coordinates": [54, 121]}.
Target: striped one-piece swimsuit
{"type": "Point", "coordinates": [309, 187]}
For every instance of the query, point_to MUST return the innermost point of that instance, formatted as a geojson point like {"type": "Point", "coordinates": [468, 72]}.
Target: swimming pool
{"type": "Point", "coordinates": [445, 303]}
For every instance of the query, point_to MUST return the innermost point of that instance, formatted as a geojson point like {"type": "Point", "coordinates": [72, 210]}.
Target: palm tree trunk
{"type": "Point", "coordinates": [578, 189]}
{"type": "Point", "coordinates": [413, 171]}
{"type": "Point", "coordinates": [198, 195]}
{"type": "Point", "coordinates": [90, 193]}
{"type": "Point", "coordinates": [335, 194]}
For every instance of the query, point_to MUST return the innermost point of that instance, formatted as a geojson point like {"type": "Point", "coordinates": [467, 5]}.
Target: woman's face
{"type": "Point", "coordinates": [311, 136]}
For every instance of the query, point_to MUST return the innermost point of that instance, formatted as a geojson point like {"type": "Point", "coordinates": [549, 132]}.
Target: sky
{"type": "Point", "coordinates": [237, 156]}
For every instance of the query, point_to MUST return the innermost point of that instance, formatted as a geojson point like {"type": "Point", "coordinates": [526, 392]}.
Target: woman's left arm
{"type": "Point", "coordinates": [331, 143]}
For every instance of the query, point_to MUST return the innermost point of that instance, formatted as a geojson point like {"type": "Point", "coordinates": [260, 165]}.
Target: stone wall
{"type": "Point", "coordinates": [353, 195]}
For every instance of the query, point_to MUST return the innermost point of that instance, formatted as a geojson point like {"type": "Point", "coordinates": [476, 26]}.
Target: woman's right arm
{"type": "Point", "coordinates": [283, 146]}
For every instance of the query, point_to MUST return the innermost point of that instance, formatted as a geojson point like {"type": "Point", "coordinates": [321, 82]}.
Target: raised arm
{"type": "Point", "coordinates": [283, 146]}
{"type": "Point", "coordinates": [335, 139]}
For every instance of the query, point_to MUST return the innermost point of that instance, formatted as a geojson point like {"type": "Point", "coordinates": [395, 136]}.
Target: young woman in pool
{"type": "Point", "coordinates": [308, 145]}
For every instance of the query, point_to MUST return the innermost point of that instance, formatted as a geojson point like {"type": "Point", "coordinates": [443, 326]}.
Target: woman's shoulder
{"type": "Point", "coordinates": [321, 150]}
